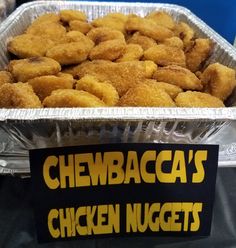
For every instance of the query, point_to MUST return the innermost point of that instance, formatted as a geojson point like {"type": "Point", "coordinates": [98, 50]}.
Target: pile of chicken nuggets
{"type": "Point", "coordinates": [62, 60]}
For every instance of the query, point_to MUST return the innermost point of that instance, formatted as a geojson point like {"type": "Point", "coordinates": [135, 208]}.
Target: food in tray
{"type": "Point", "coordinates": [115, 60]}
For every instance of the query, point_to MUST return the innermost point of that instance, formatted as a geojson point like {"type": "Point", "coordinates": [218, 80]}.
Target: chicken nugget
{"type": "Point", "coordinates": [76, 36]}
{"type": "Point", "coordinates": [27, 45]}
{"type": "Point", "coordinates": [179, 76]}
{"type": "Point", "coordinates": [115, 21]}
{"type": "Point", "coordinates": [174, 42]}
{"type": "Point", "coordinates": [101, 34]}
{"type": "Point", "coordinates": [49, 17]}
{"type": "Point", "coordinates": [162, 18]}
{"type": "Point", "coordinates": [184, 32]}
{"type": "Point", "coordinates": [18, 95]}
{"type": "Point", "coordinates": [150, 68]}
{"type": "Point", "coordinates": [25, 69]}
{"type": "Point", "coordinates": [219, 80]}
{"type": "Point", "coordinates": [197, 53]}
{"type": "Point", "coordinates": [171, 89]}
{"type": "Point", "coordinates": [71, 15]}
{"type": "Point", "coordinates": [144, 41]}
{"type": "Point", "coordinates": [72, 98]}
{"type": "Point", "coordinates": [148, 28]}
{"type": "Point", "coordinates": [195, 99]}
{"type": "Point", "coordinates": [132, 52]}
{"type": "Point", "coordinates": [50, 30]}
{"type": "Point", "coordinates": [83, 27]}
{"type": "Point", "coordinates": [70, 53]}
{"type": "Point", "coordinates": [101, 89]}
{"type": "Point", "coordinates": [108, 50]}
{"type": "Point", "coordinates": [6, 78]}
{"type": "Point", "coordinates": [144, 95]}
{"type": "Point", "coordinates": [44, 85]}
{"type": "Point", "coordinates": [165, 55]}
{"type": "Point", "coordinates": [122, 75]}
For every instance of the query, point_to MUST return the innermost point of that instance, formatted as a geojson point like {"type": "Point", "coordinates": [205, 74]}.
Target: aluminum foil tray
{"type": "Point", "coordinates": [24, 129]}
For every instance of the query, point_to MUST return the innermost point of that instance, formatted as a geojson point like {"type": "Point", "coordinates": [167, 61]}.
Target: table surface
{"type": "Point", "coordinates": [17, 228]}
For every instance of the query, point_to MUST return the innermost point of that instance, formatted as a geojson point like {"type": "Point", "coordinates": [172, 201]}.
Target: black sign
{"type": "Point", "coordinates": [123, 189]}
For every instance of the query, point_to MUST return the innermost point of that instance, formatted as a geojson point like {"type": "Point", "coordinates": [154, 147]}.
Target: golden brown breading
{"type": "Point", "coordinates": [76, 36]}
{"type": "Point", "coordinates": [72, 98]}
{"type": "Point", "coordinates": [144, 41]}
{"type": "Point", "coordinates": [115, 21]}
{"type": "Point", "coordinates": [25, 69]}
{"type": "Point", "coordinates": [197, 53]}
{"type": "Point", "coordinates": [18, 95]}
{"type": "Point", "coordinates": [170, 89]}
{"type": "Point", "coordinates": [101, 89]}
{"type": "Point", "coordinates": [50, 30]}
{"type": "Point", "coordinates": [108, 50]}
{"type": "Point", "coordinates": [48, 17]}
{"type": "Point", "coordinates": [146, 95]}
{"type": "Point", "coordinates": [150, 68]}
{"type": "Point", "coordinates": [6, 78]}
{"type": "Point", "coordinates": [27, 45]}
{"type": "Point", "coordinates": [83, 27]}
{"type": "Point", "coordinates": [71, 15]}
{"type": "Point", "coordinates": [174, 42]}
{"type": "Point", "coordinates": [162, 18]}
{"type": "Point", "coordinates": [123, 75]}
{"type": "Point", "coordinates": [70, 53]}
{"type": "Point", "coordinates": [132, 52]}
{"type": "Point", "coordinates": [219, 80]}
{"type": "Point", "coordinates": [44, 85]}
{"type": "Point", "coordinates": [101, 34]}
{"type": "Point", "coordinates": [185, 33]}
{"type": "Point", "coordinates": [195, 99]}
{"type": "Point", "coordinates": [148, 28]}
{"type": "Point", "coordinates": [179, 76]}
{"type": "Point", "coordinates": [165, 55]}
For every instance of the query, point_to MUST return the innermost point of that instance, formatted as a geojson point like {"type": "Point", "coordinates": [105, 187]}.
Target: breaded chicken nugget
{"type": "Point", "coordinates": [25, 69]}
{"type": "Point", "coordinates": [72, 98]}
{"type": "Point", "coordinates": [44, 85]}
{"type": "Point", "coordinates": [174, 42]}
{"type": "Point", "coordinates": [115, 21]}
{"type": "Point", "coordinates": [162, 18]}
{"type": "Point", "coordinates": [70, 53]}
{"type": "Point", "coordinates": [165, 55]}
{"type": "Point", "coordinates": [76, 36]}
{"type": "Point", "coordinates": [108, 50]}
{"type": "Point", "coordinates": [170, 89]}
{"type": "Point", "coordinates": [123, 75]}
{"type": "Point", "coordinates": [148, 28]}
{"type": "Point", "coordinates": [27, 45]}
{"type": "Point", "coordinates": [18, 95]}
{"type": "Point", "coordinates": [179, 76]}
{"type": "Point", "coordinates": [49, 17]}
{"type": "Point", "coordinates": [195, 99]}
{"type": "Point", "coordinates": [144, 41]}
{"type": "Point", "coordinates": [132, 52]}
{"type": "Point", "coordinates": [6, 78]}
{"type": "Point", "coordinates": [146, 95]}
{"type": "Point", "coordinates": [83, 27]}
{"type": "Point", "coordinates": [197, 53]}
{"type": "Point", "coordinates": [50, 30]}
{"type": "Point", "coordinates": [219, 79]}
{"type": "Point", "coordinates": [103, 90]}
{"type": "Point", "coordinates": [71, 15]}
{"type": "Point", "coordinates": [184, 32]}
{"type": "Point", "coordinates": [101, 34]}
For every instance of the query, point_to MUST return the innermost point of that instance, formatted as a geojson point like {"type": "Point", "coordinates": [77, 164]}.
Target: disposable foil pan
{"type": "Point", "coordinates": [24, 129]}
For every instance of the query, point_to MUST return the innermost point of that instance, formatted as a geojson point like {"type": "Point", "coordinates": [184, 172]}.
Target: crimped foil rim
{"type": "Point", "coordinates": [118, 113]}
